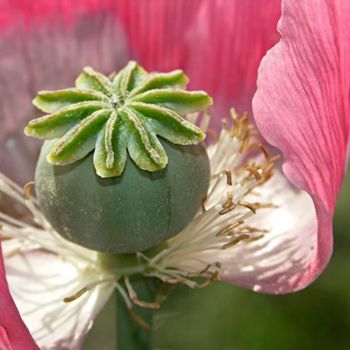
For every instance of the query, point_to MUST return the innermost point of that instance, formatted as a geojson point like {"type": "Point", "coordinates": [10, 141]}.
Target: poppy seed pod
{"type": "Point", "coordinates": [123, 214]}
{"type": "Point", "coordinates": [122, 169]}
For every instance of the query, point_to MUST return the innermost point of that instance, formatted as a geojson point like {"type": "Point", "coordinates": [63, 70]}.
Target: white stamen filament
{"type": "Point", "coordinates": [196, 250]}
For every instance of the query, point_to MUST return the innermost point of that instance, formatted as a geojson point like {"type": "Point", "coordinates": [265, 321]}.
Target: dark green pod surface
{"type": "Point", "coordinates": [124, 214]}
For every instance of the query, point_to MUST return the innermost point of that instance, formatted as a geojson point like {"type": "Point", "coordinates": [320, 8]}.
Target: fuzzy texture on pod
{"type": "Point", "coordinates": [124, 214]}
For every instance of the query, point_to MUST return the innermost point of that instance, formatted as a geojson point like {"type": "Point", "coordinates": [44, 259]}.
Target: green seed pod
{"type": "Point", "coordinates": [124, 214]}
{"type": "Point", "coordinates": [124, 170]}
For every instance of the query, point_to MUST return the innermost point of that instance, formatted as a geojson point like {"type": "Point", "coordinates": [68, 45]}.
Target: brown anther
{"type": "Point", "coordinates": [27, 188]}
{"type": "Point", "coordinates": [136, 300]}
{"type": "Point", "coordinates": [258, 205]}
{"type": "Point", "coordinates": [229, 200]}
{"type": "Point", "coordinates": [235, 241]}
{"type": "Point", "coordinates": [141, 322]}
{"type": "Point", "coordinates": [205, 270]}
{"type": "Point", "coordinates": [252, 229]}
{"type": "Point", "coordinates": [265, 153]}
{"type": "Point", "coordinates": [226, 210]}
{"type": "Point", "coordinates": [214, 277]}
{"type": "Point", "coordinates": [253, 239]}
{"type": "Point", "coordinates": [228, 205]}
{"type": "Point", "coordinates": [76, 295]}
{"type": "Point", "coordinates": [248, 205]}
{"type": "Point", "coordinates": [255, 172]}
{"type": "Point", "coordinates": [218, 265]}
{"type": "Point", "coordinates": [228, 174]}
{"type": "Point", "coordinates": [229, 228]}
{"type": "Point", "coordinates": [203, 200]}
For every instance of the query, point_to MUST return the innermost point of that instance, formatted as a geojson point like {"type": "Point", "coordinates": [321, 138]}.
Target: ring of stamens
{"type": "Point", "coordinates": [182, 262]}
{"type": "Point", "coordinates": [240, 180]}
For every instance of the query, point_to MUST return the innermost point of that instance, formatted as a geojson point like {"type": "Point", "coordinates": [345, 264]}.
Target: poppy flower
{"type": "Point", "coordinates": [266, 224]}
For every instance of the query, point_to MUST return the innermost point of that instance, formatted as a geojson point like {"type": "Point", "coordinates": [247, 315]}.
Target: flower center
{"type": "Point", "coordinates": [239, 166]}
{"type": "Point", "coordinates": [116, 101]}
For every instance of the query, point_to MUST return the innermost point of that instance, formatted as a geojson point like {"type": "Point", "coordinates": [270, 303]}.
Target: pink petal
{"type": "Point", "coordinates": [302, 108]}
{"type": "Point", "coordinates": [219, 43]}
{"type": "Point", "coordinates": [14, 334]}
{"type": "Point", "coordinates": [45, 45]}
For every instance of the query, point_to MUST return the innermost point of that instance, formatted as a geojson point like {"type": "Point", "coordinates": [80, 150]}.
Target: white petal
{"type": "Point", "coordinates": [275, 263]}
{"type": "Point", "coordinates": [256, 231]}
{"type": "Point", "coordinates": [39, 281]}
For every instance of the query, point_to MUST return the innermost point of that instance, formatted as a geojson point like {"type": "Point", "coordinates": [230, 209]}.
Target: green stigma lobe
{"type": "Point", "coordinates": [113, 117]}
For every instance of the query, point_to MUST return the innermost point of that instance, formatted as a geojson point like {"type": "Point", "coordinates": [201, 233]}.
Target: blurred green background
{"type": "Point", "coordinates": [225, 317]}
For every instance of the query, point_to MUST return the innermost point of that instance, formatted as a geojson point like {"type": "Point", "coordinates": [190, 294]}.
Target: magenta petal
{"type": "Point", "coordinates": [302, 108]}
{"type": "Point", "coordinates": [45, 45]}
{"type": "Point", "coordinates": [14, 334]}
{"type": "Point", "coordinates": [219, 43]}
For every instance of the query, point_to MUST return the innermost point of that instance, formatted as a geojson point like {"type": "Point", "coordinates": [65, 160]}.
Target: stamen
{"type": "Point", "coordinates": [250, 206]}
{"type": "Point", "coordinates": [254, 172]}
{"type": "Point", "coordinates": [194, 256]}
{"type": "Point", "coordinates": [27, 188]}
{"type": "Point", "coordinates": [218, 265]}
{"type": "Point", "coordinates": [206, 269]}
{"type": "Point", "coordinates": [235, 241]}
{"type": "Point", "coordinates": [203, 200]}
{"type": "Point", "coordinates": [87, 288]}
{"type": "Point", "coordinates": [76, 295]}
{"type": "Point", "coordinates": [228, 177]}
{"type": "Point", "coordinates": [140, 321]}
{"type": "Point", "coordinates": [229, 228]}
{"type": "Point", "coordinates": [135, 299]}
{"type": "Point", "coordinates": [221, 224]}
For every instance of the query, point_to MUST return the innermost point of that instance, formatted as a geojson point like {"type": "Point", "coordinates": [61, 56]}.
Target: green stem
{"type": "Point", "coordinates": [130, 334]}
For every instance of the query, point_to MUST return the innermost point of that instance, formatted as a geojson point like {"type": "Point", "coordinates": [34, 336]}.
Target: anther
{"type": "Point", "coordinates": [229, 228]}
{"type": "Point", "coordinates": [27, 188]}
{"type": "Point", "coordinates": [258, 205]}
{"type": "Point", "coordinates": [138, 319]}
{"type": "Point", "coordinates": [228, 177]}
{"type": "Point", "coordinates": [136, 300]}
{"type": "Point", "coordinates": [218, 265]}
{"type": "Point", "coordinates": [226, 210]}
{"type": "Point", "coordinates": [76, 295]}
{"type": "Point", "coordinates": [248, 205]}
{"type": "Point", "coordinates": [235, 241]}
{"type": "Point", "coordinates": [203, 200]}
{"type": "Point", "coordinates": [254, 172]}
{"type": "Point", "coordinates": [206, 269]}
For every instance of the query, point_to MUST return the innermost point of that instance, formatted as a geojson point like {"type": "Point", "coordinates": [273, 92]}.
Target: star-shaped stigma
{"type": "Point", "coordinates": [114, 115]}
